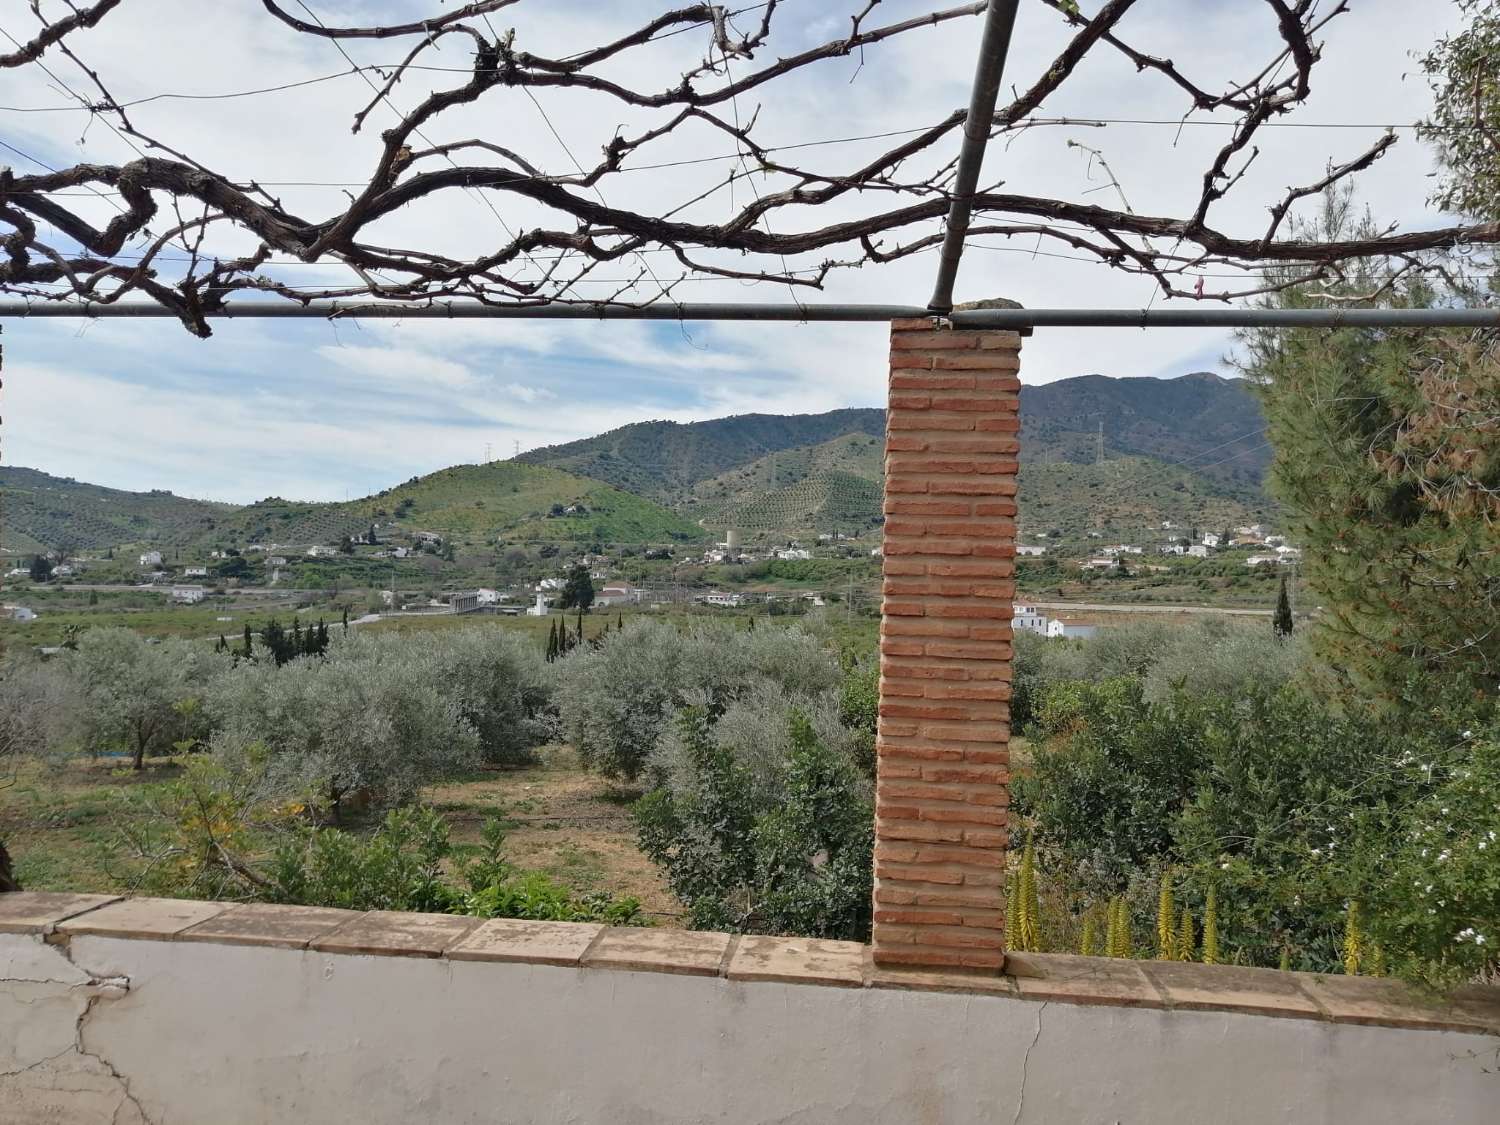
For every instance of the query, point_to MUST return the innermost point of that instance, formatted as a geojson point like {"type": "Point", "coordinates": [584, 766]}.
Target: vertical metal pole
{"type": "Point", "coordinates": [999, 20]}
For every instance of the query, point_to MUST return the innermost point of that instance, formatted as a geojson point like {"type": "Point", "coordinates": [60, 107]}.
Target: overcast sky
{"type": "Point", "coordinates": [314, 410]}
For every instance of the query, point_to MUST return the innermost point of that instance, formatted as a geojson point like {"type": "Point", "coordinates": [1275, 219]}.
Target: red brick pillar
{"type": "Point", "coordinates": [942, 773]}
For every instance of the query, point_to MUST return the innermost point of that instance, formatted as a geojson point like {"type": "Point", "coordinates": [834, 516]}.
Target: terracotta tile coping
{"type": "Point", "coordinates": [1051, 977]}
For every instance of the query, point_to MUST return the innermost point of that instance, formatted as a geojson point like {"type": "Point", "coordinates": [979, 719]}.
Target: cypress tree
{"type": "Point", "coordinates": [346, 620]}
{"type": "Point", "coordinates": [552, 642]}
{"type": "Point", "coordinates": [249, 649]}
{"type": "Point", "coordinates": [1281, 623]}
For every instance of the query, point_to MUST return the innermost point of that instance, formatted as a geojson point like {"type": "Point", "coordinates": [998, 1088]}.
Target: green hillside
{"type": "Point", "coordinates": [470, 504]}
{"type": "Point", "coordinates": [1205, 421]}
{"type": "Point", "coordinates": [1126, 496]}
{"type": "Point", "coordinates": [667, 460]}
{"type": "Point", "coordinates": [831, 486]}
{"type": "Point", "coordinates": [1213, 424]}
{"type": "Point", "coordinates": [39, 511]}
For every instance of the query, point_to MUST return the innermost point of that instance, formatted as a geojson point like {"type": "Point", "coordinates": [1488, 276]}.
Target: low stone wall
{"type": "Point", "coordinates": [164, 1011]}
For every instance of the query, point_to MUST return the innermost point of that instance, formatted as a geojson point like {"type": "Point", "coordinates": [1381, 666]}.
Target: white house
{"type": "Point", "coordinates": [151, 558]}
{"type": "Point", "coordinates": [1028, 549]}
{"type": "Point", "coordinates": [794, 554]}
{"type": "Point", "coordinates": [1198, 551]}
{"type": "Point", "coordinates": [188, 595]}
{"type": "Point", "coordinates": [63, 571]}
{"type": "Point", "coordinates": [719, 598]}
{"type": "Point", "coordinates": [486, 596]}
{"type": "Point", "coordinates": [1099, 564]}
{"type": "Point", "coordinates": [877, 552]}
{"type": "Point", "coordinates": [1257, 560]}
{"type": "Point", "coordinates": [428, 537]}
{"type": "Point", "coordinates": [1288, 554]}
{"type": "Point", "coordinates": [195, 572]}
{"type": "Point", "coordinates": [551, 584]}
{"type": "Point", "coordinates": [1026, 617]}
{"type": "Point", "coordinates": [1056, 628]}
{"type": "Point", "coordinates": [276, 560]}
{"type": "Point", "coordinates": [1211, 540]}
{"type": "Point", "coordinates": [540, 609]}
{"type": "Point", "coordinates": [618, 593]}
{"type": "Point", "coordinates": [17, 572]}
{"type": "Point", "coordinates": [321, 552]}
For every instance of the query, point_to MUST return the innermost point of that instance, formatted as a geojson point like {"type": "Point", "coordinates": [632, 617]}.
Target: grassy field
{"type": "Point", "coordinates": [64, 824]}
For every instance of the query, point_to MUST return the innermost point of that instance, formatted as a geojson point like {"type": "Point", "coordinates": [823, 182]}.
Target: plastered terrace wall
{"type": "Point", "coordinates": [200, 1013]}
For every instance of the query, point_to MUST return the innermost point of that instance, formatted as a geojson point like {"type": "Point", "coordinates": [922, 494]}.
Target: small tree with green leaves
{"type": "Point", "coordinates": [578, 591]}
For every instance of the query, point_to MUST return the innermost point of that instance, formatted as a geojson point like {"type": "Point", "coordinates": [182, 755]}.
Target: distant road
{"type": "Point", "coordinates": [1139, 607]}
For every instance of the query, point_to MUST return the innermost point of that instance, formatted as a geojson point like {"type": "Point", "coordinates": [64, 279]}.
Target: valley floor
{"type": "Point", "coordinates": [63, 823]}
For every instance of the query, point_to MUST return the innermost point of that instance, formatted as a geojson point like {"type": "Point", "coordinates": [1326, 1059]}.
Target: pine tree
{"type": "Point", "coordinates": [1281, 623]}
{"type": "Point", "coordinates": [1211, 927]}
{"type": "Point", "coordinates": [1166, 919]}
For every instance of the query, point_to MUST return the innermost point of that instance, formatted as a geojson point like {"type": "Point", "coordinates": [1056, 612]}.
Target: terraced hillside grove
{"type": "Point", "coordinates": [666, 460]}
{"type": "Point", "coordinates": [834, 486]}
{"type": "Point", "coordinates": [502, 500]}
{"type": "Point", "coordinates": [39, 511]}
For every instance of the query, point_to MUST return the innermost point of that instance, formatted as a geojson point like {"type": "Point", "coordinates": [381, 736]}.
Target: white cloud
{"type": "Point", "coordinates": [408, 368]}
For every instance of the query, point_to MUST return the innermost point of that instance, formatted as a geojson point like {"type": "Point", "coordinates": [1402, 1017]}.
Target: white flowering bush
{"type": "Point", "coordinates": [1440, 915]}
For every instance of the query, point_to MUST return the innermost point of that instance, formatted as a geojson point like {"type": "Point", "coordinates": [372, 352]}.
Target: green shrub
{"type": "Point", "coordinates": [1436, 914]}
{"type": "Point", "coordinates": [401, 867]}
{"type": "Point", "coordinates": [1285, 807]}
{"type": "Point", "coordinates": [744, 858]}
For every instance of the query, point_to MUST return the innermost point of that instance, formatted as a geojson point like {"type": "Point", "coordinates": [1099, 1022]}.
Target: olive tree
{"type": "Point", "coordinates": [139, 694]}
{"type": "Point", "coordinates": [371, 724]}
{"type": "Point", "coordinates": [615, 701]}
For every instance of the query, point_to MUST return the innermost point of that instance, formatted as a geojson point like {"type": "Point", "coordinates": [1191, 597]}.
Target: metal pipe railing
{"type": "Point", "coordinates": [1014, 319]}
